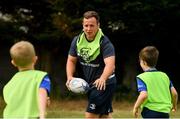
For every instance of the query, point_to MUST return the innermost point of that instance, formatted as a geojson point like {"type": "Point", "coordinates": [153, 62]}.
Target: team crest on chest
{"type": "Point", "coordinates": [84, 53]}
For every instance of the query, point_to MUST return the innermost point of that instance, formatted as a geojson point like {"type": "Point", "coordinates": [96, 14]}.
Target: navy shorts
{"type": "Point", "coordinates": [147, 113]}
{"type": "Point", "coordinates": [100, 102]}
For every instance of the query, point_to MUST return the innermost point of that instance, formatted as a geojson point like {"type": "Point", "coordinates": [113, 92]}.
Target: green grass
{"type": "Point", "coordinates": [76, 109]}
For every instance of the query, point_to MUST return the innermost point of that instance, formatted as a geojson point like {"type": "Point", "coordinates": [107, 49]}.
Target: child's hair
{"type": "Point", "coordinates": [22, 53]}
{"type": "Point", "coordinates": [150, 55]}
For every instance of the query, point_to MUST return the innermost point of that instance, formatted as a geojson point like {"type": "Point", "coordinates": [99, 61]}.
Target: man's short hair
{"type": "Point", "coordinates": [90, 14]}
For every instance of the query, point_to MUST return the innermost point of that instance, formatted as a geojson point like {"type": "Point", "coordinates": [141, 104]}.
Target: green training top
{"type": "Point", "coordinates": [158, 89]}
{"type": "Point", "coordinates": [21, 94]}
{"type": "Point", "coordinates": [89, 50]}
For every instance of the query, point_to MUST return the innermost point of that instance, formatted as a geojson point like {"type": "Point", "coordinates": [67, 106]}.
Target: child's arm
{"type": "Point", "coordinates": [42, 102]}
{"type": "Point", "coordinates": [174, 98]}
{"type": "Point", "coordinates": [141, 98]}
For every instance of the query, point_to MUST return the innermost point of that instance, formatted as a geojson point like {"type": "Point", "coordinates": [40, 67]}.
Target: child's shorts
{"type": "Point", "coordinates": [147, 113]}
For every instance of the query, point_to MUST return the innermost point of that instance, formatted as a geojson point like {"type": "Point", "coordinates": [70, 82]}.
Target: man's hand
{"type": "Point", "coordinates": [67, 82]}
{"type": "Point", "coordinates": [100, 84]}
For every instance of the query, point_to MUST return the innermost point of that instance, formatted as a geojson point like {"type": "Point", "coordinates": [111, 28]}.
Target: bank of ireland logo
{"type": "Point", "coordinates": [84, 53]}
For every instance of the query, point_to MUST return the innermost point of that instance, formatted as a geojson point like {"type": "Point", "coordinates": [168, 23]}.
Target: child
{"type": "Point", "coordinates": [27, 92]}
{"type": "Point", "coordinates": [157, 95]}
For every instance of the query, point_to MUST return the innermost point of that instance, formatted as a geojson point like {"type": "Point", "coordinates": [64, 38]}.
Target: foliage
{"type": "Point", "coordinates": [31, 18]}
{"type": "Point", "coordinates": [54, 19]}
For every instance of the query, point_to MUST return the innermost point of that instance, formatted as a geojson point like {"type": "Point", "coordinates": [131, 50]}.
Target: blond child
{"type": "Point", "coordinates": [27, 92]}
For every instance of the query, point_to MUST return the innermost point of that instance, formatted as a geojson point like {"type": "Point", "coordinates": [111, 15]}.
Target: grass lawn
{"type": "Point", "coordinates": [76, 109]}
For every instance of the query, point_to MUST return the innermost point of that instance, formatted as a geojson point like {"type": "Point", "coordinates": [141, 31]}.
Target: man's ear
{"type": "Point", "coordinates": [99, 25]}
{"type": "Point", "coordinates": [13, 63]}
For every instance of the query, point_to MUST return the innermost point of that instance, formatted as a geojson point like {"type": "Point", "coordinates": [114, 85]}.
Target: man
{"type": "Point", "coordinates": [96, 56]}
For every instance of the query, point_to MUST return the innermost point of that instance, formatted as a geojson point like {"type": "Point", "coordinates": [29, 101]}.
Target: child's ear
{"type": "Point", "coordinates": [35, 59]}
{"type": "Point", "coordinates": [13, 63]}
{"type": "Point", "coordinates": [145, 63]}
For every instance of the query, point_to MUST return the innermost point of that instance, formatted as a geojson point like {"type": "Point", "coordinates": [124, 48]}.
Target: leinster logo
{"type": "Point", "coordinates": [84, 53]}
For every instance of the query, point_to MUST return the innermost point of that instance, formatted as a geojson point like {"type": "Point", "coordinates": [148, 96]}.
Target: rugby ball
{"type": "Point", "coordinates": [78, 85]}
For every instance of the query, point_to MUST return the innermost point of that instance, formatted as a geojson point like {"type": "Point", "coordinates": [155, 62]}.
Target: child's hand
{"type": "Point", "coordinates": [173, 109]}
{"type": "Point", "coordinates": [48, 101]}
{"type": "Point", "coordinates": [135, 112]}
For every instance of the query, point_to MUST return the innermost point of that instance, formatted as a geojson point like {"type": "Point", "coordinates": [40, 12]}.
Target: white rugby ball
{"type": "Point", "coordinates": [78, 85]}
